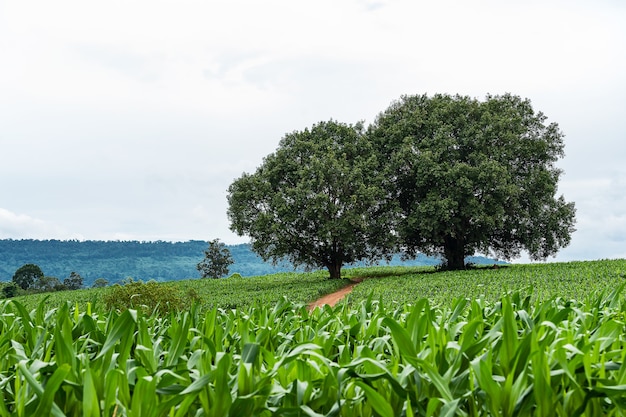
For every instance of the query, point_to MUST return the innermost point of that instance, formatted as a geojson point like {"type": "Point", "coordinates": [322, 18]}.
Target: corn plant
{"type": "Point", "coordinates": [516, 356]}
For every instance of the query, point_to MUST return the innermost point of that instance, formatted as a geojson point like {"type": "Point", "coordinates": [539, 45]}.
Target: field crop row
{"type": "Point", "coordinates": [232, 292]}
{"type": "Point", "coordinates": [512, 357]}
{"type": "Point", "coordinates": [392, 285]}
{"type": "Point", "coordinates": [571, 281]}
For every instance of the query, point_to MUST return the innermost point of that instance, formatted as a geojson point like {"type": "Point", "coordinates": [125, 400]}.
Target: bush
{"type": "Point", "coordinates": [151, 297]}
{"type": "Point", "coordinates": [10, 290]}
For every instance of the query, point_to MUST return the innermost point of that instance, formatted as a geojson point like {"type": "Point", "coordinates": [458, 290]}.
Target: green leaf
{"type": "Point", "coordinates": [91, 403]}
{"type": "Point", "coordinates": [402, 340]}
{"type": "Point", "coordinates": [39, 391]}
{"type": "Point", "coordinates": [124, 324]}
{"type": "Point", "coordinates": [377, 401]}
{"type": "Point", "coordinates": [52, 386]}
{"type": "Point", "coordinates": [250, 352]}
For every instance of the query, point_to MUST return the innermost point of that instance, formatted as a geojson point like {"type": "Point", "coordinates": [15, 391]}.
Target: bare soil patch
{"type": "Point", "coordinates": [333, 298]}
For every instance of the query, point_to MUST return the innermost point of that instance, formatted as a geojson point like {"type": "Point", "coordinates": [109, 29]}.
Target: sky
{"type": "Point", "coordinates": [128, 120]}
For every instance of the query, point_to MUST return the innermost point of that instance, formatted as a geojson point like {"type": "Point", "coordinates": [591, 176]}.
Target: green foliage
{"type": "Point", "coordinates": [567, 280]}
{"type": "Point", "coordinates": [113, 260]}
{"type": "Point", "coordinates": [27, 275]}
{"type": "Point", "coordinates": [471, 176]}
{"type": "Point", "coordinates": [242, 292]}
{"type": "Point", "coordinates": [100, 283]}
{"type": "Point", "coordinates": [316, 201]}
{"type": "Point", "coordinates": [151, 297]}
{"type": "Point", "coordinates": [231, 292]}
{"type": "Point", "coordinates": [510, 357]}
{"type": "Point", "coordinates": [48, 284]}
{"type": "Point", "coordinates": [216, 260]}
{"type": "Point", "coordinates": [73, 282]}
{"type": "Point", "coordinates": [9, 290]}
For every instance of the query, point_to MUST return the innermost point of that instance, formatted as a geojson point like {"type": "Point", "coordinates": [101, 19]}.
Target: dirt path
{"type": "Point", "coordinates": [333, 298]}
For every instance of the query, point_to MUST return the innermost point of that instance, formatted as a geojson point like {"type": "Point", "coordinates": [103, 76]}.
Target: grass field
{"type": "Point", "coordinates": [524, 340]}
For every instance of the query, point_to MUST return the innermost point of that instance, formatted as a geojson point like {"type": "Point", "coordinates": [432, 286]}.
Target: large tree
{"type": "Point", "coordinates": [473, 176]}
{"type": "Point", "coordinates": [27, 276]}
{"type": "Point", "coordinates": [316, 201]}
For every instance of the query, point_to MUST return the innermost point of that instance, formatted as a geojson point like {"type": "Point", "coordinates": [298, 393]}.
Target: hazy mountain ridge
{"type": "Point", "coordinates": [158, 260]}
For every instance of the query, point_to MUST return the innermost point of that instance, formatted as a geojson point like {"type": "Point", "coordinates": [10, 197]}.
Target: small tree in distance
{"type": "Point", "coordinates": [100, 283]}
{"type": "Point", "coordinates": [73, 282]}
{"type": "Point", "coordinates": [47, 284]}
{"type": "Point", "coordinates": [216, 260]}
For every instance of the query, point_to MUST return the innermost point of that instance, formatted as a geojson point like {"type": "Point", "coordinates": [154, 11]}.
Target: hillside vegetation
{"type": "Point", "coordinates": [117, 260]}
{"type": "Point", "coordinates": [159, 261]}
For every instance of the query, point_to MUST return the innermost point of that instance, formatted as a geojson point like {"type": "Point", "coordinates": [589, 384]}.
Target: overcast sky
{"type": "Point", "coordinates": [128, 120]}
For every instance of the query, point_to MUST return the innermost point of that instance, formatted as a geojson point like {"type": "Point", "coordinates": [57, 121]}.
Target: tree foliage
{"type": "Point", "coordinates": [100, 283]}
{"type": "Point", "coordinates": [27, 275]}
{"type": "Point", "coordinates": [73, 282]}
{"type": "Point", "coordinates": [9, 290]}
{"type": "Point", "coordinates": [217, 259]}
{"type": "Point", "coordinates": [48, 284]}
{"type": "Point", "coordinates": [471, 176]}
{"type": "Point", "coordinates": [316, 201]}
{"type": "Point", "coordinates": [115, 260]}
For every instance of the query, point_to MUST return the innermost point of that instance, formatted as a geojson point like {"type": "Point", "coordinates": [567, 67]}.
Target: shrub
{"type": "Point", "coordinates": [10, 290]}
{"type": "Point", "coordinates": [150, 297]}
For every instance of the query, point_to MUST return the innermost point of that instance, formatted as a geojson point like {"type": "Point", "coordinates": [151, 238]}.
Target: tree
{"type": "Point", "coordinates": [9, 290]}
{"type": "Point", "coordinates": [316, 201]}
{"type": "Point", "coordinates": [216, 260]}
{"type": "Point", "coordinates": [48, 284]}
{"type": "Point", "coordinates": [471, 176]}
{"type": "Point", "coordinates": [100, 283]}
{"type": "Point", "coordinates": [73, 282]}
{"type": "Point", "coordinates": [27, 275]}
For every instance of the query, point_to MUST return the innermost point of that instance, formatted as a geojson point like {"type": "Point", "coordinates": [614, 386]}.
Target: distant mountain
{"type": "Point", "coordinates": [160, 260]}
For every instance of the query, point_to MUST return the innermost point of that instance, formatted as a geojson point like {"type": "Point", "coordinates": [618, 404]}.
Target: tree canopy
{"type": "Point", "coordinates": [473, 176]}
{"type": "Point", "coordinates": [73, 282]}
{"type": "Point", "coordinates": [316, 201]}
{"type": "Point", "coordinates": [27, 276]}
{"type": "Point", "coordinates": [216, 260]}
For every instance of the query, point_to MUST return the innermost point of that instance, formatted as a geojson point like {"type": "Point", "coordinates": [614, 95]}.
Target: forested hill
{"type": "Point", "coordinates": [117, 260]}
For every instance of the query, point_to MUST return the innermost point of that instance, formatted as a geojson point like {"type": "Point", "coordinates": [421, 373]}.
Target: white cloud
{"type": "Point", "coordinates": [17, 226]}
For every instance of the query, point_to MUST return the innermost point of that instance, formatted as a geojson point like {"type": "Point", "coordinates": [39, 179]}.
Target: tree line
{"type": "Point", "coordinates": [445, 175]}
{"type": "Point", "coordinates": [114, 261]}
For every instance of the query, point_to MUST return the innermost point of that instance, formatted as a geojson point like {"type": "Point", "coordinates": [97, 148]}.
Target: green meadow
{"type": "Point", "coordinates": [519, 340]}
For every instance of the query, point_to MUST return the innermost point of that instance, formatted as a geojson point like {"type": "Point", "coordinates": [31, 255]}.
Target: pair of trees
{"type": "Point", "coordinates": [444, 175]}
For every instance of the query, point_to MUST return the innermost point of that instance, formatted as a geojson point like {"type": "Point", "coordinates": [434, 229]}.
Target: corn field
{"type": "Point", "coordinates": [512, 357]}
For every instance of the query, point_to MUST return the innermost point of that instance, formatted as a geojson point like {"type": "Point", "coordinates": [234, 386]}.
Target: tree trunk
{"type": "Point", "coordinates": [335, 270]}
{"type": "Point", "coordinates": [454, 252]}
